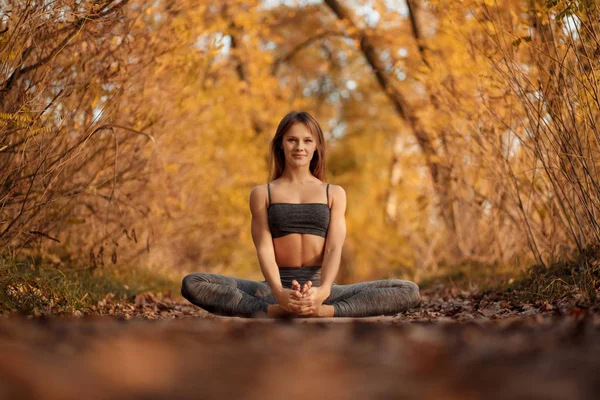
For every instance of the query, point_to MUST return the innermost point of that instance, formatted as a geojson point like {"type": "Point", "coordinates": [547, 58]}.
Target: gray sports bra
{"type": "Point", "coordinates": [310, 218]}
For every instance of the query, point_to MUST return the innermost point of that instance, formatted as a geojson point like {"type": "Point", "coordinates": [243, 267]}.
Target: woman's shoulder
{"type": "Point", "coordinates": [262, 190]}
{"type": "Point", "coordinates": [335, 188]}
{"type": "Point", "coordinates": [337, 193]}
{"type": "Point", "coordinates": [258, 195]}
{"type": "Point", "coordinates": [259, 190]}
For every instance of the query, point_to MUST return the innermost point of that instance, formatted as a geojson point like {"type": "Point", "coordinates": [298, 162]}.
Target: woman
{"type": "Point", "coordinates": [298, 229]}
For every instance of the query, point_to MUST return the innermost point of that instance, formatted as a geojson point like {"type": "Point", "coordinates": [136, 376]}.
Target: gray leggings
{"type": "Point", "coordinates": [229, 296]}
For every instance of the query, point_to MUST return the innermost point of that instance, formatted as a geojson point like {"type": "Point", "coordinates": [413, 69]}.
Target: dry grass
{"type": "Point", "coordinates": [475, 277]}
{"type": "Point", "coordinates": [39, 289]}
{"type": "Point", "coordinates": [579, 279]}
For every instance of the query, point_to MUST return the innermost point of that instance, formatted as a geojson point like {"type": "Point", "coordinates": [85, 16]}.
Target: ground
{"type": "Point", "coordinates": [455, 345]}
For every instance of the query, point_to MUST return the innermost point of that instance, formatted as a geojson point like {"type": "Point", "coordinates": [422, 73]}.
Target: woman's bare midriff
{"type": "Point", "coordinates": [299, 250]}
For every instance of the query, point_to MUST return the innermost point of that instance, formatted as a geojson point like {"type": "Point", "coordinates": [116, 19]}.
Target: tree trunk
{"type": "Point", "coordinates": [440, 174]}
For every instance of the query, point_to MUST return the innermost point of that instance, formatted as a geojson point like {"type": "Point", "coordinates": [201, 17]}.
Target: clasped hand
{"type": "Point", "coordinates": [301, 300]}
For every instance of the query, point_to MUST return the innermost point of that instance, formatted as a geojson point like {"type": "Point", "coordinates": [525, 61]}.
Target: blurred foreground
{"type": "Point", "coordinates": [518, 357]}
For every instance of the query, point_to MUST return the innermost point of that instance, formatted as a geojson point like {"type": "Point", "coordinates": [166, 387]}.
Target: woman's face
{"type": "Point", "coordinates": [299, 145]}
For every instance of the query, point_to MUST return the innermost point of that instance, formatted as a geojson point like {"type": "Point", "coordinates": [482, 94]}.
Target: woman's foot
{"type": "Point", "coordinates": [275, 311]}
{"type": "Point", "coordinates": [324, 311]}
{"type": "Point", "coordinates": [303, 289]}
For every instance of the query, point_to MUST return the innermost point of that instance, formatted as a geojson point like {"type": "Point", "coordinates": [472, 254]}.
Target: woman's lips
{"type": "Point", "coordinates": [298, 155]}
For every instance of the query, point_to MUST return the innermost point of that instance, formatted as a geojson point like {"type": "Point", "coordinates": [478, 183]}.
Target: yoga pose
{"type": "Point", "coordinates": [298, 229]}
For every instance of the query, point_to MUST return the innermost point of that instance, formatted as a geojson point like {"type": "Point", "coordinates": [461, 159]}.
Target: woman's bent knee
{"type": "Point", "coordinates": [415, 295]}
{"type": "Point", "coordinates": [411, 290]}
{"type": "Point", "coordinates": [186, 283]}
{"type": "Point", "coordinates": [191, 281]}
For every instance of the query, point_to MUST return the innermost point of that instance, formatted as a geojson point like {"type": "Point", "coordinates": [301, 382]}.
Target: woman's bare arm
{"type": "Point", "coordinates": [263, 241]}
{"type": "Point", "coordinates": [336, 235]}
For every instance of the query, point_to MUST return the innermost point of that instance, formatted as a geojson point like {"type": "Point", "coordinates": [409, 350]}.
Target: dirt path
{"type": "Point", "coordinates": [455, 346]}
{"type": "Point", "coordinates": [107, 358]}
{"type": "Point", "coordinates": [438, 304]}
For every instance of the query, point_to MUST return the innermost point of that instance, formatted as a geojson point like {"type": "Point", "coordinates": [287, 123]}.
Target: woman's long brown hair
{"type": "Point", "coordinates": [276, 156]}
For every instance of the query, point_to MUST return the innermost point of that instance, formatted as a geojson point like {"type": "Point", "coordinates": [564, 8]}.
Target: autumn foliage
{"type": "Point", "coordinates": [462, 132]}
